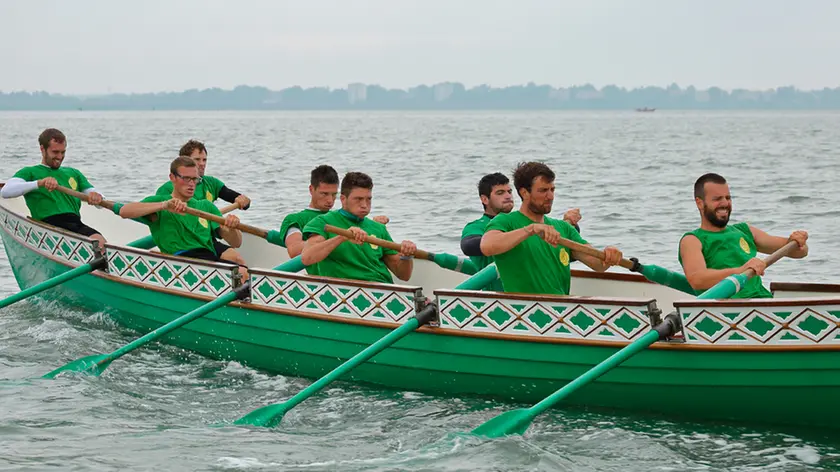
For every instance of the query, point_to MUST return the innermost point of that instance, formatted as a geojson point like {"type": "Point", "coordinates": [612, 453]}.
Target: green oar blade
{"type": "Point", "coordinates": [90, 365]}
{"type": "Point", "coordinates": [668, 278]}
{"type": "Point", "coordinates": [509, 422]}
{"type": "Point", "coordinates": [453, 262]}
{"type": "Point", "coordinates": [267, 416]}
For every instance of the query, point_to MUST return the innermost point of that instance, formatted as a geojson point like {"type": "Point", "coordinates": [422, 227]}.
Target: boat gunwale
{"type": "Point", "coordinates": [805, 287]}
{"type": "Point", "coordinates": [615, 301]}
{"type": "Point", "coordinates": [323, 279]}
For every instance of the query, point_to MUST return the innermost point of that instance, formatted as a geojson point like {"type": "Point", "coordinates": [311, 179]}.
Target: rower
{"type": "Point", "coordinates": [496, 197]}
{"type": "Point", "coordinates": [209, 188]}
{"type": "Point", "coordinates": [717, 250]}
{"type": "Point", "coordinates": [336, 256]}
{"type": "Point", "coordinates": [323, 188]}
{"type": "Point", "coordinates": [525, 243]}
{"type": "Point", "coordinates": [37, 184]}
{"type": "Point", "coordinates": [180, 234]}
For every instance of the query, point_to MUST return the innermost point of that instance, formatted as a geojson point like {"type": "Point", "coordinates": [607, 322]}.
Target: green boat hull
{"type": "Point", "coordinates": [781, 386]}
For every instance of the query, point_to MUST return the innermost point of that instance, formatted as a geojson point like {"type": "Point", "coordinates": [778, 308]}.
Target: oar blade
{"type": "Point", "coordinates": [509, 422]}
{"type": "Point", "coordinates": [89, 365]}
{"type": "Point", "coordinates": [267, 416]}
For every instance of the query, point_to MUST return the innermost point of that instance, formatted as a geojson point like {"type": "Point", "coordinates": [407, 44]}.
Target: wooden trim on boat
{"type": "Point", "coordinates": [591, 274]}
{"type": "Point", "coordinates": [545, 298]}
{"type": "Point", "coordinates": [330, 280]}
{"type": "Point", "coordinates": [318, 316]}
{"type": "Point", "coordinates": [758, 302]}
{"type": "Point", "coordinates": [169, 257]}
{"type": "Point", "coordinates": [804, 287]}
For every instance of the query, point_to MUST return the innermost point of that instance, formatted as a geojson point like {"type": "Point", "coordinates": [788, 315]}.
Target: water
{"type": "Point", "coordinates": [630, 174]}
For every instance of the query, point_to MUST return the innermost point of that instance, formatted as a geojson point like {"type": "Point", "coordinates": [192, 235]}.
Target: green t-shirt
{"type": "Point", "coordinates": [208, 189]}
{"type": "Point", "coordinates": [352, 261]}
{"type": "Point", "coordinates": [730, 248]}
{"type": "Point", "coordinates": [297, 220]}
{"type": "Point", "coordinates": [476, 228]}
{"type": "Point", "coordinates": [173, 233]}
{"type": "Point", "coordinates": [534, 266]}
{"type": "Point", "coordinates": [41, 202]}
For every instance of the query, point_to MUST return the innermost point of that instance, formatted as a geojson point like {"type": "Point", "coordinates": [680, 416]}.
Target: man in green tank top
{"type": "Point", "coordinates": [209, 188]}
{"type": "Point", "coordinates": [178, 233]}
{"type": "Point", "coordinates": [525, 244]}
{"type": "Point", "coordinates": [337, 256]}
{"type": "Point", "coordinates": [37, 184]}
{"type": "Point", "coordinates": [323, 188]}
{"type": "Point", "coordinates": [717, 249]}
{"type": "Point", "coordinates": [496, 197]}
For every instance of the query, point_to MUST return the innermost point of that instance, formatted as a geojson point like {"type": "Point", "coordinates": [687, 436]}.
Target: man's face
{"type": "Point", "coordinates": [53, 155]}
{"type": "Point", "coordinates": [323, 196]}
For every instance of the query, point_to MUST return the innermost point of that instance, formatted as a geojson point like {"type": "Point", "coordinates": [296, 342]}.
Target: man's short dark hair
{"type": "Point", "coordinates": [353, 180]}
{"type": "Point", "coordinates": [526, 172]}
{"type": "Point", "coordinates": [700, 184]}
{"type": "Point", "coordinates": [323, 174]}
{"type": "Point", "coordinates": [51, 134]}
{"type": "Point", "coordinates": [181, 161]}
{"type": "Point", "coordinates": [486, 184]}
{"type": "Point", "coordinates": [190, 146]}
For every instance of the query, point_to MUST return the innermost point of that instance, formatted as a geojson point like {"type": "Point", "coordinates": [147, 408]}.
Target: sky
{"type": "Point", "coordinates": [102, 46]}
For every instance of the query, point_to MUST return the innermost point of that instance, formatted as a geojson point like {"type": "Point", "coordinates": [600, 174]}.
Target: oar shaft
{"type": "Point", "coordinates": [230, 208]}
{"type": "Point", "coordinates": [70, 274]}
{"type": "Point", "coordinates": [81, 196]}
{"type": "Point", "coordinates": [172, 325]}
{"type": "Point", "coordinates": [589, 250]}
{"type": "Point", "coordinates": [377, 241]}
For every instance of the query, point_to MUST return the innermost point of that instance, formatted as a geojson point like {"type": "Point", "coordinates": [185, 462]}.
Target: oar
{"type": "Point", "coordinates": [654, 273]}
{"type": "Point", "coordinates": [230, 208]}
{"type": "Point", "coordinates": [517, 421]}
{"type": "Point", "coordinates": [272, 415]}
{"type": "Point", "coordinates": [148, 242]}
{"type": "Point", "coordinates": [445, 260]}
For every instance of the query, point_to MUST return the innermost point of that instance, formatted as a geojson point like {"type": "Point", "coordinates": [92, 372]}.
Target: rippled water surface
{"type": "Point", "coordinates": [631, 175]}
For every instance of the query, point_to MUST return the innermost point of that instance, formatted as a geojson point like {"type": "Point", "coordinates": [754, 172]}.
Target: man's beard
{"type": "Point", "coordinates": [539, 209]}
{"type": "Point", "coordinates": [712, 217]}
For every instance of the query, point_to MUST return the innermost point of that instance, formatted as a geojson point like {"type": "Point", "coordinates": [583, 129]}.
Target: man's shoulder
{"type": "Point", "coordinates": [155, 198]}
{"type": "Point", "coordinates": [166, 188]}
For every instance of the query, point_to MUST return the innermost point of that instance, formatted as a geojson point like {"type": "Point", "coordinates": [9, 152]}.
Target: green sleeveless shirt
{"type": "Point", "coordinates": [729, 249]}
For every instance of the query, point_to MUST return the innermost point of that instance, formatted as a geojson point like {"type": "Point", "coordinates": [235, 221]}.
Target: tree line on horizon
{"type": "Point", "coordinates": [444, 96]}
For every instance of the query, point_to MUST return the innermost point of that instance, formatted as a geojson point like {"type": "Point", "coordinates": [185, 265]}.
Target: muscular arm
{"type": "Point", "coordinates": [694, 265]}
{"type": "Point", "coordinates": [139, 209]}
{"type": "Point", "coordinates": [498, 242]}
{"type": "Point", "coordinates": [401, 268]}
{"type": "Point", "coordinates": [317, 248]}
{"type": "Point", "coordinates": [768, 244]}
{"type": "Point", "coordinates": [590, 261]}
{"type": "Point", "coordinates": [232, 236]}
{"type": "Point", "coordinates": [229, 196]}
{"type": "Point", "coordinates": [294, 242]}
{"type": "Point", "coordinates": [471, 245]}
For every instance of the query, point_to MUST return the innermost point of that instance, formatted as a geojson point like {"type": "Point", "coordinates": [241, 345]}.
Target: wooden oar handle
{"type": "Point", "coordinates": [772, 258]}
{"type": "Point", "coordinates": [192, 211]}
{"type": "Point", "coordinates": [230, 208]}
{"type": "Point", "coordinates": [379, 242]}
{"type": "Point", "coordinates": [577, 247]}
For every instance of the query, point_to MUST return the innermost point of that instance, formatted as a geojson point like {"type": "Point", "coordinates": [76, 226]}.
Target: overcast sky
{"type": "Point", "coordinates": [87, 46]}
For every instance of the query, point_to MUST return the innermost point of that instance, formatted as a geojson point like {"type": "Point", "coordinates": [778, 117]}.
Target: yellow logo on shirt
{"type": "Point", "coordinates": [373, 246]}
{"type": "Point", "coordinates": [209, 196]}
{"type": "Point", "coordinates": [564, 257]}
{"type": "Point", "coordinates": [72, 182]}
{"type": "Point", "coordinates": [744, 246]}
{"type": "Point", "coordinates": [203, 222]}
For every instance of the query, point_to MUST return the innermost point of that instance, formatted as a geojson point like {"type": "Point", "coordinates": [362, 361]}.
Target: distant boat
{"type": "Point", "coordinates": [645, 109]}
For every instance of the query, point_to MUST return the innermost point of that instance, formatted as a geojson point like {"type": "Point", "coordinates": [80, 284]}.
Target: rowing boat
{"type": "Point", "coordinates": [775, 360]}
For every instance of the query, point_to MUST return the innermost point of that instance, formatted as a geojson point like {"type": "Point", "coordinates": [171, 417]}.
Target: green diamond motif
{"type": "Point", "coordinates": [312, 306]}
{"type": "Point", "coordinates": [835, 314]}
{"type": "Point", "coordinates": [562, 329]}
{"type": "Point", "coordinates": [266, 290]}
{"type": "Point", "coordinates": [737, 337]}
{"type": "Point", "coordinates": [499, 316]}
{"type": "Point", "coordinates": [709, 327]}
{"type": "Point", "coordinates": [478, 305]}
{"type": "Point", "coordinates": [217, 282]}
{"type": "Point", "coordinates": [395, 306]}
{"type": "Point", "coordinates": [783, 314]}
{"type": "Point", "coordinates": [190, 278]}
{"type": "Point", "coordinates": [344, 291]}
{"type": "Point", "coordinates": [296, 294]}
{"type": "Point", "coordinates": [627, 323]}
{"type": "Point", "coordinates": [812, 325]}
{"type": "Point", "coordinates": [582, 321]}
{"type": "Point", "coordinates": [345, 310]}
{"type": "Point", "coordinates": [788, 336]}
{"type": "Point", "coordinates": [603, 311]}
{"type": "Point", "coordinates": [480, 324]}
{"type": "Point", "coordinates": [517, 307]}
{"type": "Point", "coordinates": [83, 253]}
{"type": "Point", "coordinates": [606, 332]}
{"type": "Point", "coordinates": [377, 295]}
{"type": "Point", "coordinates": [177, 284]}
{"type": "Point", "coordinates": [686, 315]}
{"type": "Point", "coordinates": [460, 313]}
{"type": "Point", "coordinates": [540, 318]}
{"type": "Point", "coordinates": [521, 327]}
{"type": "Point", "coordinates": [66, 248]}
{"type": "Point", "coordinates": [443, 322]}
{"type": "Point", "coordinates": [559, 309]}
{"type": "Point", "coordinates": [378, 314]}
{"type": "Point", "coordinates": [328, 298]}
{"type": "Point", "coordinates": [141, 268]}
{"type": "Point", "coordinates": [312, 287]}
{"type": "Point", "coordinates": [119, 263]}
{"type": "Point", "coordinates": [165, 274]}
{"type": "Point", "coordinates": [759, 326]}
{"type": "Point", "coordinates": [361, 303]}
{"type": "Point", "coordinates": [731, 316]}
{"type": "Point", "coordinates": [203, 272]}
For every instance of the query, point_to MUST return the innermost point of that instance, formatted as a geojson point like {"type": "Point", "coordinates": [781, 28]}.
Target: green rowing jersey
{"type": "Point", "coordinates": [208, 189]}
{"type": "Point", "coordinates": [299, 220]}
{"type": "Point", "coordinates": [730, 248]}
{"type": "Point", "coordinates": [352, 261]}
{"type": "Point", "coordinates": [41, 202]}
{"type": "Point", "coordinates": [476, 228]}
{"type": "Point", "coordinates": [174, 233]}
{"type": "Point", "coordinates": [534, 266]}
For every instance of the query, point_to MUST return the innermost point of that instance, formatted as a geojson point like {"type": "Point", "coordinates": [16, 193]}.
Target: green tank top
{"type": "Point", "coordinates": [728, 249]}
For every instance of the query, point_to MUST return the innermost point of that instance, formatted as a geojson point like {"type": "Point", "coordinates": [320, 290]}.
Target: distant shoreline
{"type": "Point", "coordinates": [440, 97]}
